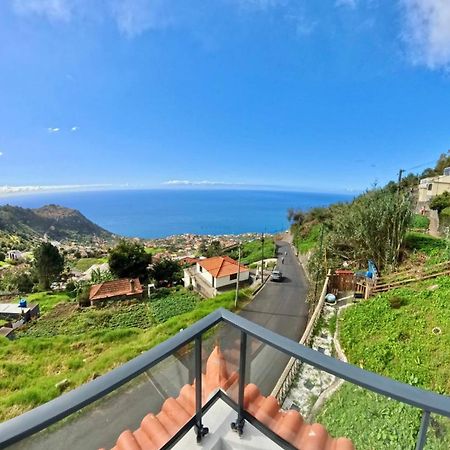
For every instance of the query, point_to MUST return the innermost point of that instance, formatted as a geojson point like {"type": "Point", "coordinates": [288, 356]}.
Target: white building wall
{"type": "Point", "coordinates": [225, 281]}
{"type": "Point", "coordinates": [438, 186]}
{"type": "Point", "coordinates": [186, 278]}
{"type": "Point", "coordinates": [204, 274]}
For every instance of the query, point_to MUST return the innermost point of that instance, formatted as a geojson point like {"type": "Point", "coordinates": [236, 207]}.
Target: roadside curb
{"type": "Point", "coordinates": [260, 287]}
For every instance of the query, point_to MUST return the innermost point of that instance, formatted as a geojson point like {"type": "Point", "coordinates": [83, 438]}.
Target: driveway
{"type": "Point", "coordinates": [279, 306]}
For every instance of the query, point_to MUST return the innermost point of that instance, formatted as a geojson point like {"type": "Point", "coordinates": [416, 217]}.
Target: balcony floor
{"type": "Point", "coordinates": [222, 437]}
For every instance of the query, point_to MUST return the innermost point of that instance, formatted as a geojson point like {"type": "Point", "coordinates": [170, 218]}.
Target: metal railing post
{"type": "Point", "coordinates": [422, 437]}
{"type": "Point", "coordinates": [238, 426]}
{"type": "Point", "coordinates": [200, 430]}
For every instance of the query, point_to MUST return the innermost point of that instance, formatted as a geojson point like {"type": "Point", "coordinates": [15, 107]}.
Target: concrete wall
{"type": "Point", "coordinates": [430, 187]}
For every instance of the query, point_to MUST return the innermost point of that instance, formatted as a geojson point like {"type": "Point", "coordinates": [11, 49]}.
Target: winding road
{"type": "Point", "coordinates": [279, 306]}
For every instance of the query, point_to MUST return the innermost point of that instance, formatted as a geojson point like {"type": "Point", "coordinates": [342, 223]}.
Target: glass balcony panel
{"type": "Point", "coordinates": [438, 434]}
{"type": "Point", "coordinates": [368, 419]}
{"type": "Point", "coordinates": [221, 349]}
{"type": "Point", "coordinates": [100, 424]}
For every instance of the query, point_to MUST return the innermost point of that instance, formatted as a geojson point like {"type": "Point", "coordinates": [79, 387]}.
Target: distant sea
{"type": "Point", "coordinates": [161, 213]}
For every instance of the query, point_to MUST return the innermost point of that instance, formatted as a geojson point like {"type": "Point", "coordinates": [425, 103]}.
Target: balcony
{"type": "Point", "coordinates": [207, 387]}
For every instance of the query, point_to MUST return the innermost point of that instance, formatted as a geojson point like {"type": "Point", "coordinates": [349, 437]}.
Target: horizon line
{"type": "Point", "coordinates": [8, 191]}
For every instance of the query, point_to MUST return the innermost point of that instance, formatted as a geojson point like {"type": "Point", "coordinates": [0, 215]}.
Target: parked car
{"type": "Point", "coordinates": [276, 275]}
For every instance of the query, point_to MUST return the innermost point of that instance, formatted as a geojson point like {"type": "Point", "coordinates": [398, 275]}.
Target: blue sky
{"type": "Point", "coordinates": [328, 95]}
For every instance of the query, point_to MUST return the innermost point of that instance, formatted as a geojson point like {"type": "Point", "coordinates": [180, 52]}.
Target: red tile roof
{"type": "Point", "coordinates": [116, 288]}
{"type": "Point", "coordinates": [156, 431]}
{"type": "Point", "coordinates": [221, 266]}
{"type": "Point", "coordinates": [187, 260]}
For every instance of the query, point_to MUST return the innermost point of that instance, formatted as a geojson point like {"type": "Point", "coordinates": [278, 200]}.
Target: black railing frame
{"type": "Point", "coordinates": [31, 422]}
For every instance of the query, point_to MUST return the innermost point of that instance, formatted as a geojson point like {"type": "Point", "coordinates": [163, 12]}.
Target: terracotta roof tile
{"type": "Point", "coordinates": [221, 266]}
{"type": "Point", "coordinates": [155, 431]}
{"type": "Point", "coordinates": [116, 288]}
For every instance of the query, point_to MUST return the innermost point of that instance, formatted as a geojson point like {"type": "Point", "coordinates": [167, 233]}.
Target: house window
{"type": "Point", "coordinates": [200, 268]}
{"type": "Point", "coordinates": [233, 276]}
{"type": "Point", "coordinates": [430, 187]}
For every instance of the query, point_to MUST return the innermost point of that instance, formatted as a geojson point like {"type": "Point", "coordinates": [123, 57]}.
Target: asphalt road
{"type": "Point", "coordinates": [279, 306]}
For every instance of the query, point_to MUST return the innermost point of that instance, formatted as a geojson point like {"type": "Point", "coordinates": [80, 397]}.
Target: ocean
{"type": "Point", "coordinates": [159, 213]}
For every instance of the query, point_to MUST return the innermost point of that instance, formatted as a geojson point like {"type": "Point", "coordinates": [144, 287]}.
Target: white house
{"type": "Point", "coordinates": [211, 275]}
{"type": "Point", "coordinates": [14, 255]}
{"type": "Point", "coordinates": [432, 186]}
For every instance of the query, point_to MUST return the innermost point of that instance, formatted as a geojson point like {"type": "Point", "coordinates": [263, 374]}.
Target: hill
{"type": "Point", "coordinates": [53, 221]}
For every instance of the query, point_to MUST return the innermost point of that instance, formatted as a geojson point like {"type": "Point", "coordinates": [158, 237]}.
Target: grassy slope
{"type": "Point", "coordinates": [77, 345]}
{"type": "Point", "coordinates": [84, 264]}
{"type": "Point", "coordinates": [308, 241]}
{"type": "Point", "coordinates": [153, 250]}
{"type": "Point", "coordinates": [252, 251]}
{"type": "Point", "coordinates": [398, 343]}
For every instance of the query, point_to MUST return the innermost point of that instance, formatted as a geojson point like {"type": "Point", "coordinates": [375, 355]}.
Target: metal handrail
{"type": "Point", "coordinates": [43, 416]}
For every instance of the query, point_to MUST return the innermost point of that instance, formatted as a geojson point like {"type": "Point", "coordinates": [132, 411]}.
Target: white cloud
{"type": "Point", "coordinates": [427, 32]}
{"type": "Point", "coordinates": [56, 10]}
{"type": "Point", "coordinates": [5, 190]}
{"type": "Point", "coordinates": [53, 130]}
{"type": "Point", "coordinates": [133, 17]}
{"type": "Point", "coordinates": [194, 183]}
{"type": "Point", "coordinates": [1, 153]}
{"type": "Point", "coordinates": [73, 129]}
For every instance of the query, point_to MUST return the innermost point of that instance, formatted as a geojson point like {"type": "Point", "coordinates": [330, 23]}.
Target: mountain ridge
{"type": "Point", "coordinates": [50, 221]}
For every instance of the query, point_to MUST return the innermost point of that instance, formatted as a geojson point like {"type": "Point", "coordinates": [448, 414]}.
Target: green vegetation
{"type": "Point", "coordinates": [440, 202]}
{"type": "Point", "coordinates": [166, 272]}
{"type": "Point", "coordinates": [84, 264]}
{"type": "Point", "coordinates": [392, 334]}
{"type": "Point", "coordinates": [129, 260]}
{"type": "Point", "coordinates": [371, 421]}
{"type": "Point", "coordinates": [178, 302]}
{"type": "Point", "coordinates": [420, 221]}
{"type": "Point", "coordinates": [309, 239]}
{"type": "Point", "coordinates": [423, 243]}
{"type": "Point", "coordinates": [48, 264]}
{"type": "Point", "coordinates": [154, 250]}
{"type": "Point", "coordinates": [22, 226]}
{"type": "Point", "coordinates": [80, 344]}
{"type": "Point", "coordinates": [251, 251]}
{"type": "Point", "coordinates": [47, 300]}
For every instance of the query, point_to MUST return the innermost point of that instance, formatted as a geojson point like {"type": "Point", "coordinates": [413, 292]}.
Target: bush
{"type": "Point", "coordinates": [419, 221]}
{"type": "Point", "coordinates": [397, 302]}
{"type": "Point", "coordinates": [440, 202]}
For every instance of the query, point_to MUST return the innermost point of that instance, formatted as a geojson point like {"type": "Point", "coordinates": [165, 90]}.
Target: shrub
{"type": "Point", "coordinates": [419, 221]}
{"type": "Point", "coordinates": [396, 302]}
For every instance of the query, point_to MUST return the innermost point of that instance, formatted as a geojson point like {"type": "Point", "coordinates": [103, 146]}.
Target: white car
{"type": "Point", "coordinates": [276, 275]}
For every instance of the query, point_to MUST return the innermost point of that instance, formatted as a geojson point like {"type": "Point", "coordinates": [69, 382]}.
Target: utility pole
{"type": "Point", "coordinates": [400, 173]}
{"type": "Point", "coordinates": [262, 257]}
{"type": "Point", "coordinates": [238, 278]}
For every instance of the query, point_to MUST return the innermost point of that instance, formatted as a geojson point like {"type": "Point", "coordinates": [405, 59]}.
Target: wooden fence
{"type": "Point", "coordinates": [399, 279]}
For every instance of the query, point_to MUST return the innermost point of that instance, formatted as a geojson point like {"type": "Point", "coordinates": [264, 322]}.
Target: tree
{"type": "Point", "coordinates": [23, 282]}
{"type": "Point", "coordinates": [129, 260]}
{"type": "Point", "coordinates": [373, 226]}
{"type": "Point", "coordinates": [214, 249]}
{"type": "Point", "coordinates": [166, 271]}
{"type": "Point", "coordinates": [2, 256]}
{"type": "Point", "coordinates": [440, 202]}
{"type": "Point", "coordinates": [203, 249]}
{"type": "Point", "coordinates": [296, 217]}
{"type": "Point", "coordinates": [48, 264]}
